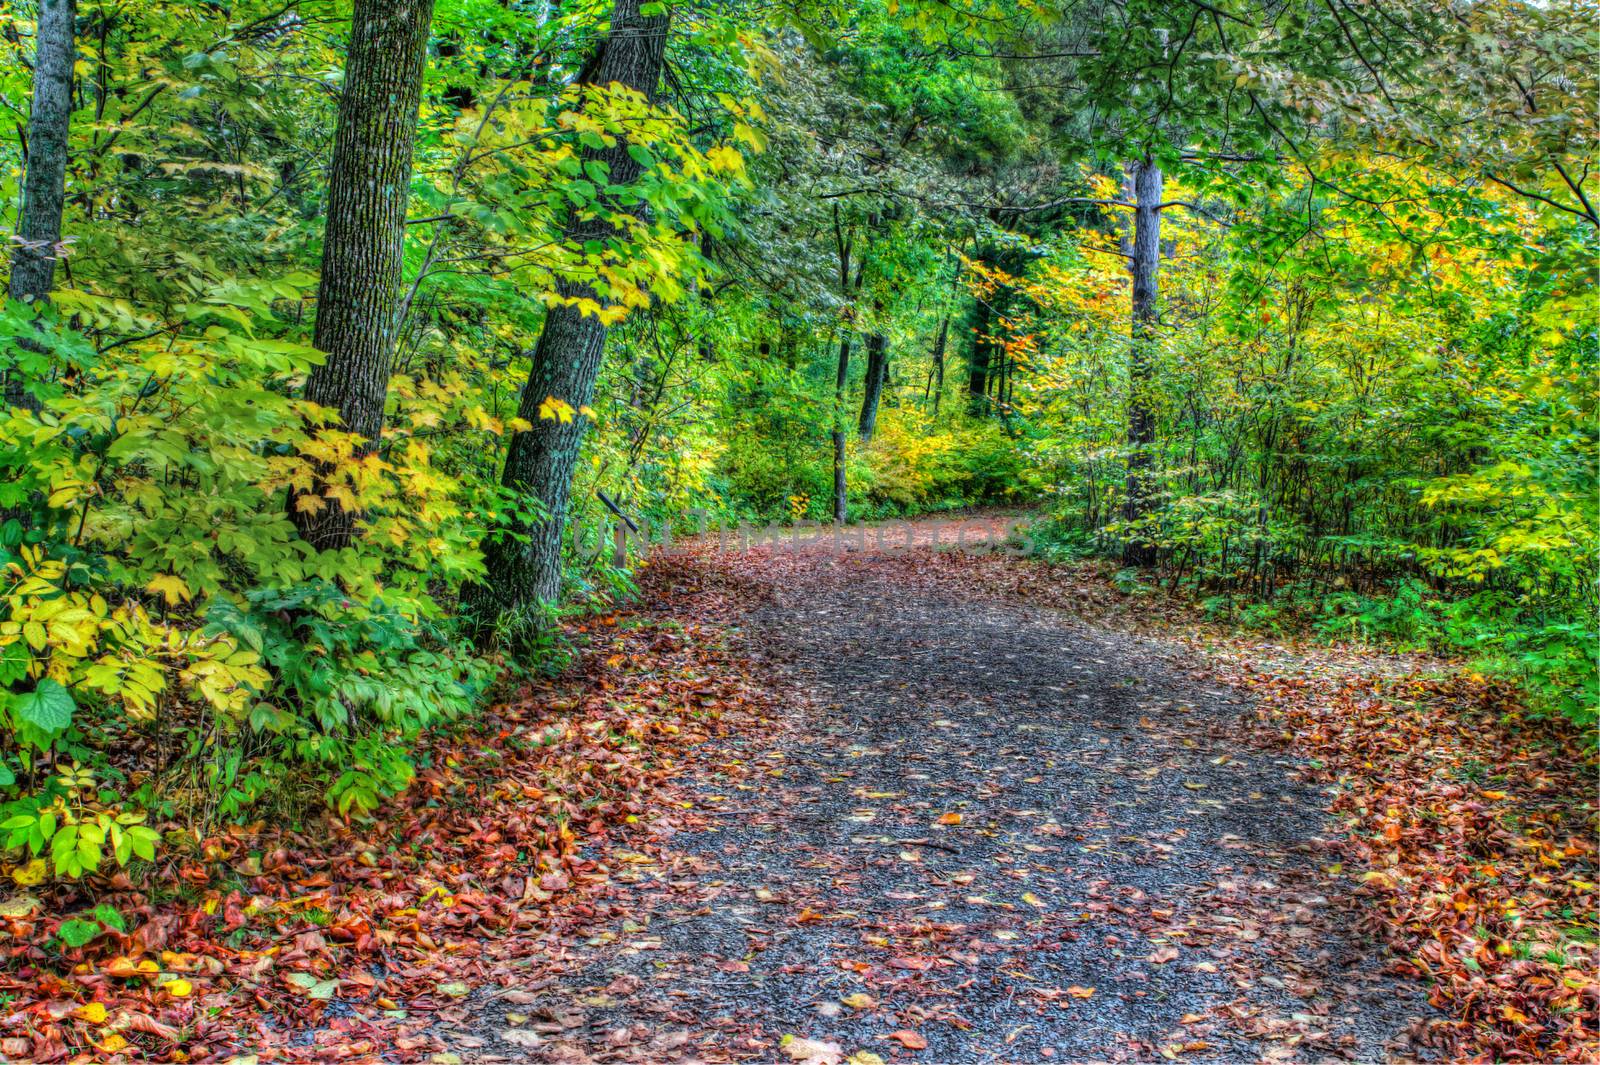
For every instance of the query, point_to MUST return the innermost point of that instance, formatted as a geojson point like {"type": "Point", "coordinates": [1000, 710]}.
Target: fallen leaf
{"type": "Point", "coordinates": [93, 1012]}
{"type": "Point", "coordinates": [908, 1039]}
{"type": "Point", "coordinates": [812, 1051]}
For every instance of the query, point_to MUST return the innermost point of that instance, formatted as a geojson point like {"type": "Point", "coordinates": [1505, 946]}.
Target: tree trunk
{"type": "Point", "coordinates": [44, 185]}
{"type": "Point", "coordinates": [523, 557]}
{"type": "Point", "coordinates": [936, 370]}
{"type": "Point", "coordinates": [369, 186]}
{"type": "Point", "coordinates": [841, 375]}
{"type": "Point", "coordinates": [1138, 549]}
{"type": "Point", "coordinates": [877, 375]}
{"type": "Point", "coordinates": [978, 368]}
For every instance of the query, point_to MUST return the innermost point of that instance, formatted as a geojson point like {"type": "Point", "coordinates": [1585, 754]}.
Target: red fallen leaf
{"type": "Point", "coordinates": [152, 936]}
{"type": "Point", "coordinates": [908, 1039]}
{"type": "Point", "coordinates": [1164, 955]}
{"type": "Point", "coordinates": [734, 967]}
{"type": "Point", "coordinates": [143, 1022]}
{"type": "Point", "coordinates": [915, 963]}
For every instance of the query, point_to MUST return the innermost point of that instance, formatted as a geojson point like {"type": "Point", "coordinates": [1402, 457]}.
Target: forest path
{"type": "Point", "coordinates": [983, 830]}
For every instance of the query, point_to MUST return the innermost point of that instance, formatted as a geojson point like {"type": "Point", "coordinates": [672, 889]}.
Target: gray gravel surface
{"type": "Point", "coordinates": [986, 826]}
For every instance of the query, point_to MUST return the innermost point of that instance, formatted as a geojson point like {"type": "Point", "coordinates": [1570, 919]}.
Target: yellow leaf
{"type": "Point", "coordinates": [93, 1012]}
{"type": "Point", "coordinates": [171, 588]}
{"type": "Point", "coordinates": [179, 988]}
{"type": "Point", "coordinates": [30, 874]}
{"type": "Point", "coordinates": [113, 1044]}
{"type": "Point", "coordinates": [1032, 900]}
{"type": "Point", "coordinates": [859, 1001]}
{"type": "Point", "coordinates": [725, 159]}
{"type": "Point", "coordinates": [553, 409]}
{"type": "Point", "coordinates": [950, 819]}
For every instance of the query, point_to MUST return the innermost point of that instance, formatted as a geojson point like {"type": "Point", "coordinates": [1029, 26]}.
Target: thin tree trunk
{"type": "Point", "coordinates": [369, 186]}
{"type": "Point", "coordinates": [877, 375]}
{"type": "Point", "coordinates": [44, 185]}
{"type": "Point", "coordinates": [841, 375]}
{"type": "Point", "coordinates": [523, 557]}
{"type": "Point", "coordinates": [936, 370]}
{"type": "Point", "coordinates": [978, 370]}
{"type": "Point", "coordinates": [1138, 549]}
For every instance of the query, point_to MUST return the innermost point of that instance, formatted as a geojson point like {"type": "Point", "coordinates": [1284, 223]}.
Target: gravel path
{"type": "Point", "coordinates": [984, 831]}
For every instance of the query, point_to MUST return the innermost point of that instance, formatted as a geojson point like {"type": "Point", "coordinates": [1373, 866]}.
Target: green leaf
{"type": "Point", "coordinates": [77, 932]}
{"type": "Point", "coordinates": [48, 707]}
{"type": "Point", "coordinates": [13, 662]}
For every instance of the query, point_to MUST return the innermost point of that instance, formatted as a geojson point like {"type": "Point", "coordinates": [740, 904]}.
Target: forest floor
{"type": "Point", "coordinates": [984, 815]}
{"type": "Point", "coordinates": [980, 830]}
{"type": "Point", "coordinates": [894, 803]}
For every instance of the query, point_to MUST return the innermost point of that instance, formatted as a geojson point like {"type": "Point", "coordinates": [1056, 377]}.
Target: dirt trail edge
{"type": "Point", "coordinates": [981, 831]}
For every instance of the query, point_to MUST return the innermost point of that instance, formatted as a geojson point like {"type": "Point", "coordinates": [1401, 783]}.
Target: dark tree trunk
{"type": "Point", "coordinates": [523, 558]}
{"type": "Point", "coordinates": [978, 366]}
{"type": "Point", "coordinates": [841, 375]}
{"type": "Point", "coordinates": [1138, 549]}
{"type": "Point", "coordinates": [936, 370]}
{"type": "Point", "coordinates": [877, 376]}
{"type": "Point", "coordinates": [44, 185]}
{"type": "Point", "coordinates": [369, 186]}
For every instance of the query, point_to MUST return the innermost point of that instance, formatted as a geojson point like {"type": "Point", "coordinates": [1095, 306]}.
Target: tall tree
{"type": "Point", "coordinates": [842, 245]}
{"type": "Point", "coordinates": [369, 185]}
{"type": "Point", "coordinates": [877, 375]}
{"type": "Point", "coordinates": [935, 383]}
{"type": "Point", "coordinates": [523, 557]}
{"type": "Point", "coordinates": [33, 256]}
{"type": "Point", "coordinates": [1143, 260]}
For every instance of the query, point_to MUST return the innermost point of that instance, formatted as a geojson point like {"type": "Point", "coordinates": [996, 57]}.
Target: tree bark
{"type": "Point", "coordinates": [936, 369]}
{"type": "Point", "coordinates": [877, 375]}
{"type": "Point", "coordinates": [978, 367]}
{"type": "Point", "coordinates": [523, 557]}
{"type": "Point", "coordinates": [44, 185]}
{"type": "Point", "coordinates": [369, 187]}
{"type": "Point", "coordinates": [840, 488]}
{"type": "Point", "coordinates": [1138, 549]}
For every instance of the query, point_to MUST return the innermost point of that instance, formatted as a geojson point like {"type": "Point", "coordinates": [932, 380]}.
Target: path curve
{"type": "Point", "coordinates": [982, 831]}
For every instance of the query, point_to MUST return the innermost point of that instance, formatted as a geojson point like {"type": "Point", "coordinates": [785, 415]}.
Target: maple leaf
{"type": "Point", "coordinates": [553, 409]}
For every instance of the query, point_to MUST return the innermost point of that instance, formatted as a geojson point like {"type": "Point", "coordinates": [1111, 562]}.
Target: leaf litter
{"type": "Point", "coordinates": [922, 806]}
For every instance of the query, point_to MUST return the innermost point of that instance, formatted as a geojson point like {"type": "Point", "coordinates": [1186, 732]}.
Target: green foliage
{"type": "Point", "coordinates": [1372, 382]}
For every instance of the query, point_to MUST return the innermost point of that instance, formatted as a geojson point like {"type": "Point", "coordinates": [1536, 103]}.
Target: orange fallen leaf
{"type": "Point", "coordinates": [908, 1039]}
{"type": "Point", "coordinates": [1080, 992]}
{"type": "Point", "coordinates": [950, 819]}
